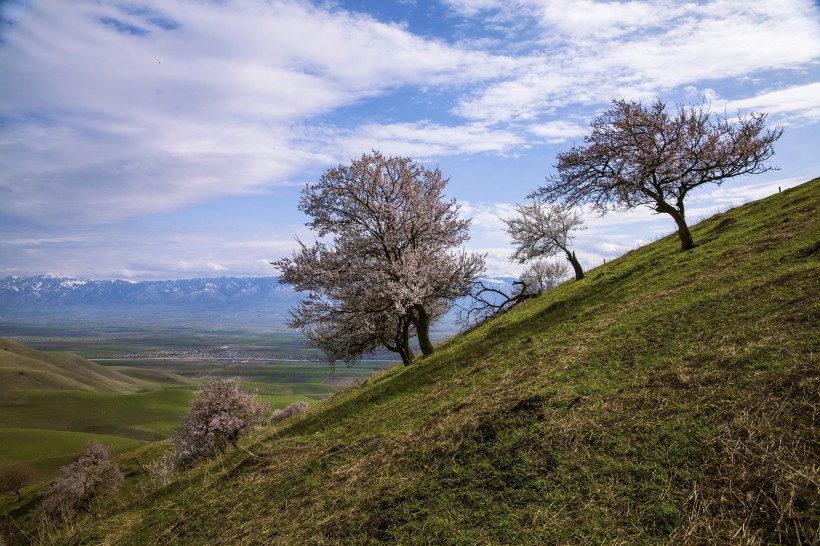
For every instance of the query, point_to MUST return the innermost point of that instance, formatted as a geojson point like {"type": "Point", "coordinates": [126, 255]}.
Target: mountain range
{"type": "Point", "coordinates": [256, 300]}
{"type": "Point", "coordinates": [234, 301]}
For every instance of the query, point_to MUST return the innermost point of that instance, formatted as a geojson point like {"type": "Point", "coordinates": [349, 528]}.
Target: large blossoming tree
{"type": "Point", "coordinates": [645, 155]}
{"type": "Point", "coordinates": [388, 262]}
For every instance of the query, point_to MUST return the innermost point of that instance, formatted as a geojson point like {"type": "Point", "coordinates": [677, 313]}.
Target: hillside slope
{"type": "Point", "coordinates": [25, 369]}
{"type": "Point", "coordinates": [667, 398]}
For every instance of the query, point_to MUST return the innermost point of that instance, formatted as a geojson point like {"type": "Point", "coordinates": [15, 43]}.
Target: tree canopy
{"type": "Point", "coordinates": [644, 155]}
{"type": "Point", "coordinates": [388, 262]}
{"type": "Point", "coordinates": [217, 417]}
{"type": "Point", "coordinates": [541, 230]}
{"type": "Point", "coordinates": [92, 474]}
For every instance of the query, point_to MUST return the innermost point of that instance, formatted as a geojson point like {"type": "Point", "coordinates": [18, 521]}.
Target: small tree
{"type": "Point", "coordinates": [161, 469]}
{"type": "Point", "coordinates": [92, 474]}
{"type": "Point", "coordinates": [540, 230]}
{"type": "Point", "coordinates": [390, 267]}
{"type": "Point", "coordinates": [637, 155]}
{"type": "Point", "coordinates": [16, 477]}
{"type": "Point", "coordinates": [487, 299]}
{"type": "Point", "coordinates": [542, 275]}
{"type": "Point", "coordinates": [219, 414]}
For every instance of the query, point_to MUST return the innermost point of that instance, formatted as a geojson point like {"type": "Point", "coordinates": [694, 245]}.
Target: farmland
{"type": "Point", "coordinates": [47, 427]}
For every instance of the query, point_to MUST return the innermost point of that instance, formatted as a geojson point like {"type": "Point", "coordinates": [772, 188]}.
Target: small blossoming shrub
{"type": "Point", "coordinates": [92, 474]}
{"type": "Point", "coordinates": [290, 411]}
{"type": "Point", "coordinates": [161, 469]}
{"type": "Point", "coordinates": [217, 417]}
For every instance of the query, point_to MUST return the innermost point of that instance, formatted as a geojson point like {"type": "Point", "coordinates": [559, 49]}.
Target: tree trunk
{"type": "Point", "coordinates": [576, 265]}
{"type": "Point", "coordinates": [422, 324]}
{"type": "Point", "coordinates": [403, 343]}
{"type": "Point", "coordinates": [686, 241]}
{"type": "Point", "coordinates": [406, 355]}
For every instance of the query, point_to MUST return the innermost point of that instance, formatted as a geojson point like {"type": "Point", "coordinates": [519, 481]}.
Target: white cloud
{"type": "Point", "coordinates": [595, 51]}
{"type": "Point", "coordinates": [558, 131]}
{"type": "Point", "coordinates": [112, 111]}
{"type": "Point", "coordinates": [798, 104]}
{"type": "Point", "coordinates": [421, 140]}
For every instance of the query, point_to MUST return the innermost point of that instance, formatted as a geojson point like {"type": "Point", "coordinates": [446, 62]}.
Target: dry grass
{"type": "Point", "coordinates": [762, 486]}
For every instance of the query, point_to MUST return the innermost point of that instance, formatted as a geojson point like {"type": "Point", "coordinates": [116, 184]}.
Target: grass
{"type": "Point", "coordinates": [75, 398]}
{"type": "Point", "coordinates": [23, 368]}
{"type": "Point", "coordinates": [141, 416]}
{"type": "Point", "coordinates": [48, 450]}
{"type": "Point", "coordinates": [667, 398]}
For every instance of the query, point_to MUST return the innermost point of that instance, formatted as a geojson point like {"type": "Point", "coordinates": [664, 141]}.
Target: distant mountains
{"type": "Point", "coordinates": [224, 301]}
{"type": "Point", "coordinates": [247, 301]}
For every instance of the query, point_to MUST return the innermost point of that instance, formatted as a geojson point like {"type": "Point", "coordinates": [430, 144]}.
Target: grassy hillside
{"type": "Point", "coordinates": [48, 450]}
{"type": "Point", "coordinates": [667, 398]}
{"type": "Point", "coordinates": [51, 403]}
{"type": "Point", "coordinates": [25, 369]}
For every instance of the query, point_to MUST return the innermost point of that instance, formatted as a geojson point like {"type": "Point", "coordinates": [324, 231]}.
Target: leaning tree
{"type": "Point", "coordinates": [639, 155]}
{"type": "Point", "coordinates": [540, 230]}
{"type": "Point", "coordinates": [387, 263]}
{"type": "Point", "coordinates": [488, 298]}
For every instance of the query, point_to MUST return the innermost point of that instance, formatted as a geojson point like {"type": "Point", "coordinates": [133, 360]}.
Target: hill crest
{"type": "Point", "coordinates": [25, 369]}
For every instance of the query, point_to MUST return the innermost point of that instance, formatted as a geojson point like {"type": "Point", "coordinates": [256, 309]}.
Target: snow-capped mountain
{"type": "Point", "coordinates": [223, 301]}
{"type": "Point", "coordinates": [214, 298]}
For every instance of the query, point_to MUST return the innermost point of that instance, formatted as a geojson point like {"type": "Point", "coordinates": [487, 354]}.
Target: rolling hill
{"type": "Point", "coordinates": [25, 369]}
{"type": "Point", "coordinates": [667, 398]}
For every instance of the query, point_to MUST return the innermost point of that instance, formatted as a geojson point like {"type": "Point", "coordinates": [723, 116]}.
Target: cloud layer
{"type": "Point", "coordinates": [111, 111]}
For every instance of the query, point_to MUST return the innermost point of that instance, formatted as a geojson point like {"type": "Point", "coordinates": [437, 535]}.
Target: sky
{"type": "Point", "coordinates": [166, 139]}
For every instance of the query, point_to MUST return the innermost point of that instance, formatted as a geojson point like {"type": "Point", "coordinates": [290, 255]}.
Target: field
{"type": "Point", "coordinates": [48, 450]}
{"type": "Point", "coordinates": [47, 427]}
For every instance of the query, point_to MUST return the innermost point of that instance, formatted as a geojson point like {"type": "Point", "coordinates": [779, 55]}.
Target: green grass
{"type": "Point", "coordinates": [23, 368]}
{"type": "Point", "coordinates": [47, 450]}
{"type": "Point", "coordinates": [668, 398]}
{"type": "Point", "coordinates": [140, 416]}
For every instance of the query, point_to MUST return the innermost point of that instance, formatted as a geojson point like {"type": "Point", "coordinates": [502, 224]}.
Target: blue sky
{"type": "Point", "coordinates": [167, 139]}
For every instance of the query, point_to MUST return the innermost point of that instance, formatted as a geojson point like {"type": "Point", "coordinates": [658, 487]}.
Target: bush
{"type": "Point", "coordinates": [161, 469]}
{"type": "Point", "coordinates": [15, 478]}
{"type": "Point", "coordinates": [290, 411]}
{"type": "Point", "coordinates": [220, 414]}
{"type": "Point", "coordinates": [91, 475]}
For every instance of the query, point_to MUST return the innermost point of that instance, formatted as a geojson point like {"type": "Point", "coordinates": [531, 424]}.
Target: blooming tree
{"type": "Point", "coordinates": [92, 474]}
{"type": "Point", "coordinates": [542, 275]}
{"type": "Point", "coordinates": [639, 155]}
{"type": "Point", "coordinates": [540, 230]}
{"type": "Point", "coordinates": [219, 414]}
{"type": "Point", "coordinates": [387, 265]}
